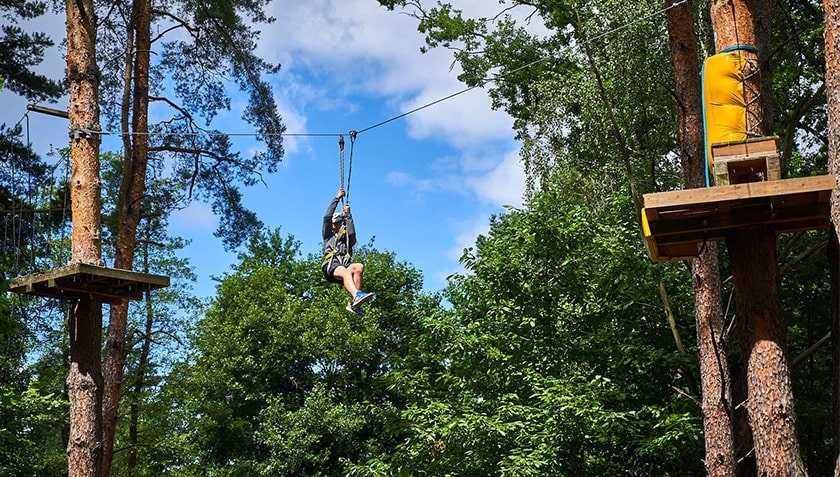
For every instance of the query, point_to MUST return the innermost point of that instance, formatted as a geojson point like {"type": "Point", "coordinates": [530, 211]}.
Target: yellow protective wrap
{"type": "Point", "coordinates": [724, 108]}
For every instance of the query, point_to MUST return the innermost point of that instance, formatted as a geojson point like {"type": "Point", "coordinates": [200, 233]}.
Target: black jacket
{"type": "Point", "coordinates": [338, 243]}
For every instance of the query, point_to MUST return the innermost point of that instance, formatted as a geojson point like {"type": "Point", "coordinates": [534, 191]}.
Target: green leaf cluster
{"type": "Point", "coordinates": [21, 51]}
{"type": "Point", "coordinates": [282, 380]}
{"type": "Point", "coordinates": [29, 415]}
{"type": "Point", "coordinates": [554, 358]}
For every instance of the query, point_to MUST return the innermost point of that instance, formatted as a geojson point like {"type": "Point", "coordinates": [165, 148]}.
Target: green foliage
{"type": "Point", "coordinates": [30, 418]}
{"type": "Point", "coordinates": [554, 359]}
{"type": "Point", "coordinates": [804, 289]}
{"type": "Point", "coordinates": [553, 356]}
{"type": "Point", "coordinates": [310, 440]}
{"type": "Point", "coordinates": [798, 87]}
{"type": "Point", "coordinates": [205, 53]}
{"type": "Point", "coordinates": [282, 379]}
{"type": "Point", "coordinates": [23, 50]}
{"type": "Point", "coordinates": [591, 98]}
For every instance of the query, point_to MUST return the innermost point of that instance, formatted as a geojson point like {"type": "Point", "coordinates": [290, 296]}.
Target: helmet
{"type": "Point", "coordinates": [337, 217]}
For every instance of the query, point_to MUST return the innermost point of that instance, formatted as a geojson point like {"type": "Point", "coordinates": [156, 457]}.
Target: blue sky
{"type": "Point", "coordinates": [423, 186]}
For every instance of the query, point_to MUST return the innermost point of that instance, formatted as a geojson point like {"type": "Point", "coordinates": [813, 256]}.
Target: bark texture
{"type": "Point", "coordinates": [84, 383]}
{"type": "Point", "coordinates": [769, 404]}
{"type": "Point", "coordinates": [761, 325]}
{"type": "Point", "coordinates": [716, 401]}
{"type": "Point", "coordinates": [720, 458]}
{"type": "Point", "coordinates": [833, 251]}
{"type": "Point", "coordinates": [832, 83]}
{"type": "Point", "coordinates": [130, 206]}
{"type": "Point", "coordinates": [732, 21]}
{"type": "Point", "coordinates": [84, 389]}
{"type": "Point", "coordinates": [83, 112]}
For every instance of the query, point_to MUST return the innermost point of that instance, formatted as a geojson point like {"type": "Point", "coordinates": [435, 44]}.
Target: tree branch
{"type": "Point", "coordinates": [808, 352]}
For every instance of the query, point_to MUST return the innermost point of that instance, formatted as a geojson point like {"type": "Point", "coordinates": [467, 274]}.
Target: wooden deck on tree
{"type": "Point", "coordinates": [73, 281]}
{"type": "Point", "coordinates": [677, 223]}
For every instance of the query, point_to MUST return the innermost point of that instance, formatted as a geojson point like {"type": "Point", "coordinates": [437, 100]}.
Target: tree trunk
{"type": "Point", "coordinates": [84, 389]}
{"type": "Point", "coordinates": [716, 404]}
{"type": "Point", "coordinates": [132, 189]}
{"type": "Point", "coordinates": [84, 382]}
{"type": "Point", "coordinates": [83, 113]}
{"type": "Point", "coordinates": [832, 82]}
{"type": "Point", "coordinates": [761, 326]}
{"type": "Point", "coordinates": [137, 388]}
{"type": "Point", "coordinates": [714, 372]}
{"type": "Point", "coordinates": [833, 251]}
{"type": "Point", "coordinates": [769, 392]}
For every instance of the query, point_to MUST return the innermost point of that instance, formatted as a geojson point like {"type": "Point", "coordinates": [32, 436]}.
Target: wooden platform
{"type": "Point", "coordinates": [677, 223]}
{"type": "Point", "coordinates": [73, 281]}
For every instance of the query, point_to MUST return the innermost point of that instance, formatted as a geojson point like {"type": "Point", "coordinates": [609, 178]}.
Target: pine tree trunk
{"type": "Point", "coordinates": [130, 202]}
{"type": "Point", "coordinates": [832, 82]}
{"type": "Point", "coordinates": [84, 382]}
{"type": "Point", "coordinates": [834, 273]}
{"type": "Point", "coordinates": [716, 404]}
{"type": "Point", "coordinates": [84, 389]}
{"type": "Point", "coordinates": [761, 325]}
{"type": "Point", "coordinates": [762, 330]}
{"type": "Point", "coordinates": [714, 372]}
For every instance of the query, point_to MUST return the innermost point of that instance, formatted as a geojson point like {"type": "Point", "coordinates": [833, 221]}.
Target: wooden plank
{"type": "Point", "coordinates": [748, 147]}
{"type": "Point", "coordinates": [739, 169]}
{"type": "Point", "coordinates": [706, 195]}
{"type": "Point", "coordinates": [678, 251]}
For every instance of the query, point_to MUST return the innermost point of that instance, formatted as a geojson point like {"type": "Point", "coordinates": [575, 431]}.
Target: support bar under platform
{"type": "Point", "coordinates": [677, 223]}
{"type": "Point", "coordinates": [73, 281]}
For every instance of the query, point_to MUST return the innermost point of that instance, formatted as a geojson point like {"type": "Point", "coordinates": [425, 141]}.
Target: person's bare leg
{"type": "Point", "coordinates": [357, 269]}
{"type": "Point", "coordinates": [347, 278]}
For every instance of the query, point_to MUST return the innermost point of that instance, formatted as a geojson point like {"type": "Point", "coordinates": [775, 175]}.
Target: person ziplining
{"type": "Point", "coordinates": [339, 233]}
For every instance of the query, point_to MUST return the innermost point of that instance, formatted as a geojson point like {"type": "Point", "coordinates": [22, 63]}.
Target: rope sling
{"type": "Point", "coordinates": [346, 196]}
{"type": "Point", "coordinates": [341, 164]}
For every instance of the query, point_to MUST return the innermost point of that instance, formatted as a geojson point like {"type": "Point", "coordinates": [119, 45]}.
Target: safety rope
{"type": "Point", "coordinates": [353, 134]}
{"type": "Point", "coordinates": [341, 164]}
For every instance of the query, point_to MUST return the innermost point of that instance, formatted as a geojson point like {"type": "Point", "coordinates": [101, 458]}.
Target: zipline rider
{"type": "Point", "coordinates": [339, 234]}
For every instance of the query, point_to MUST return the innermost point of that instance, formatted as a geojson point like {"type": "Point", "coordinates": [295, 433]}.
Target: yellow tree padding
{"type": "Point", "coordinates": [724, 107]}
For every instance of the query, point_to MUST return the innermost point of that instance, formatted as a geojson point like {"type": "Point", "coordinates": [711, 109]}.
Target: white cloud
{"type": "Point", "coordinates": [504, 184]}
{"type": "Point", "coordinates": [342, 57]}
{"type": "Point", "coordinates": [468, 233]}
{"type": "Point", "coordinates": [464, 121]}
{"type": "Point", "coordinates": [493, 180]}
{"type": "Point", "coordinates": [196, 218]}
{"type": "Point", "coordinates": [377, 52]}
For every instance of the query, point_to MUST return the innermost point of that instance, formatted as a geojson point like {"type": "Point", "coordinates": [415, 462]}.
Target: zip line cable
{"type": "Point", "coordinates": [481, 82]}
